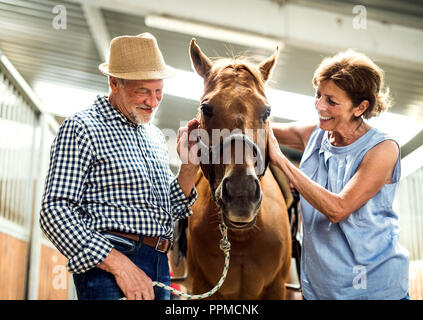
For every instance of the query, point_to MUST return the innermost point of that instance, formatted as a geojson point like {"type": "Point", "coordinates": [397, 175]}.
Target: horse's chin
{"type": "Point", "coordinates": [239, 225]}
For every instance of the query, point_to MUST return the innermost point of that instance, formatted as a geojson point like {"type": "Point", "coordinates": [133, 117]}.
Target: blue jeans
{"type": "Point", "coordinates": [97, 284]}
{"type": "Point", "coordinates": [407, 297]}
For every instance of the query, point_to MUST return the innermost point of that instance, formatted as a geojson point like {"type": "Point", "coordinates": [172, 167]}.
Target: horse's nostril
{"type": "Point", "coordinates": [234, 189]}
{"type": "Point", "coordinates": [225, 191]}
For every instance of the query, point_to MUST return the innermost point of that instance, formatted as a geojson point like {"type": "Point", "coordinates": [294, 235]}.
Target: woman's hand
{"type": "Point", "coordinates": [275, 153]}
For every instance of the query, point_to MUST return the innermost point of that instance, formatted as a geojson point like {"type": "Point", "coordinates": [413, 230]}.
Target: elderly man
{"type": "Point", "coordinates": [110, 198]}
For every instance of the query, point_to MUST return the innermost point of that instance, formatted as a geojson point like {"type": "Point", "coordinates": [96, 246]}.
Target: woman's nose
{"type": "Point", "coordinates": [318, 103]}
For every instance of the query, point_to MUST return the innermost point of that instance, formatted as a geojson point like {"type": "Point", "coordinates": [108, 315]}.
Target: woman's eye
{"type": "Point", "coordinates": [207, 110]}
{"type": "Point", "coordinates": [332, 103]}
{"type": "Point", "coordinates": [266, 113]}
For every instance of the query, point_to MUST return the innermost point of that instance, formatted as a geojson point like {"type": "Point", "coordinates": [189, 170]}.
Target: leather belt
{"type": "Point", "coordinates": [158, 243]}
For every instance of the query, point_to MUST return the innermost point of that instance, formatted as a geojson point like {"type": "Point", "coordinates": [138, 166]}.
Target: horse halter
{"type": "Point", "coordinates": [214, 156]}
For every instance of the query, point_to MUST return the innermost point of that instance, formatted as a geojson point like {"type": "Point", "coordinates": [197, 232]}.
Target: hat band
{"type": "Point", "coordinates": [140, 75]}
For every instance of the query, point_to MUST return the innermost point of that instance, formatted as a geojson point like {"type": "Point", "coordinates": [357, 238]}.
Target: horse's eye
{"type": "Point", "coordinates": [207, 110]}
{"type": "Point", "coordinates": [266, 113]}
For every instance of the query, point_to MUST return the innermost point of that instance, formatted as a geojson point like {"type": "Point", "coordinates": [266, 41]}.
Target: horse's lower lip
{"type": "Point", "coordinates": [238, 225]}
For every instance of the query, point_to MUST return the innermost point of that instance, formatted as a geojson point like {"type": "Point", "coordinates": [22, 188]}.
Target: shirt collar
{"type": "Point", "coordinates": [108, 111]}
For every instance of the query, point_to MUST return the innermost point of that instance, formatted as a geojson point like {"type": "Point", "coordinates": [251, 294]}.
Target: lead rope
{"type": "Point", "coordinates": [225, 246]}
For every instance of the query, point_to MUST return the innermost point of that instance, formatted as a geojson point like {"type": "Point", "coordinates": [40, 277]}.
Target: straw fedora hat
{"type": "Point", "coordinates": [136, 58]}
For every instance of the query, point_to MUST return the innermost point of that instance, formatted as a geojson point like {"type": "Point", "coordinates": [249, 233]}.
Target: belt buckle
{"type": "Point", "coordinates": [158, 243]}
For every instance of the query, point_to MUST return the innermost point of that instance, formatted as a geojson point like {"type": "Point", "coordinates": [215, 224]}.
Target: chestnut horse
{"type": "Point", "coordinates": [248, 201]}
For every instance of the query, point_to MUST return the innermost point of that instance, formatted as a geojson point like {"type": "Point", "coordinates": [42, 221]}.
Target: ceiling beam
{"type": "Point", "coordinates": [392, 11]}
{"type": "Point", "coordinates": [412, 145]}
{"type": "Point", "coordinates": [306, 27]}
{"type": "Point", "coordinates": [98, 29]}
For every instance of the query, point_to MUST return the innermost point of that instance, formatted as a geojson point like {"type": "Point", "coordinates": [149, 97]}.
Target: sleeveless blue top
{"type": "Point", "coordinates": [359, 257]}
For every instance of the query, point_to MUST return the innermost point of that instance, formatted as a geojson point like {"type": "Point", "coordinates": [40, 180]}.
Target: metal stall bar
{"type": "Point", "coordinates": [48, 127]}
{"type": "Point", "coordinates": [416, 275]}
{"type": "Point", "coordinates": [9, 156]}
{"type": "Point", "coordinates": [14, 164]}
{"type": "Point", "coordinates": [28, 167]}
{"type": "Point", "coordinates": [34, 123]}
{"type": "Point", "coordinates": [15, 143]}
{"type": "Point", "coordinates": [3, 153]}
{"type": "Point", "coordinates": [22, 166]}
{"type": "Point", "coordinates": [408, 205]}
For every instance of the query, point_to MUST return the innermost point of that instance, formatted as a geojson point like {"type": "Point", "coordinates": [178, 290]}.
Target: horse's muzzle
{"type": "Point", "coordinates": [241, 197]}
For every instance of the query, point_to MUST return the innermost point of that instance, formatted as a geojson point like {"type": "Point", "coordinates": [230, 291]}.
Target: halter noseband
{"type": "Point", "coordinates": [214, 156]}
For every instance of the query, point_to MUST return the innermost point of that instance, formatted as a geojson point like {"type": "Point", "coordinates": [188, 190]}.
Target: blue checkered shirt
{"type": "Point", "coordinates": [107, 173]}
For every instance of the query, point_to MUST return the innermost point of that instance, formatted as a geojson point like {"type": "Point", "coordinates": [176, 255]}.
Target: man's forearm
{"type": "Point", "coordinates": [186, 177]}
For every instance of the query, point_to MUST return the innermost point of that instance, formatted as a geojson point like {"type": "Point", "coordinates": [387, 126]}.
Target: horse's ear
{"type": "Point", "coordinates": [200, 62]}
{"type": "Point", "coordinates": [267, 66]}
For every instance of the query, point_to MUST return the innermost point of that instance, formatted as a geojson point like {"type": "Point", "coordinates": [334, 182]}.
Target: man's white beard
{"type": "Point", "coordinates": [144, 119]}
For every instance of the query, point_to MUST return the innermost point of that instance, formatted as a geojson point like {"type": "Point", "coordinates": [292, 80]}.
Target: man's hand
{"type": "Point", "coordinates": [188, 153]}
{"type": "Point", "coordinates": [133, 282]}
{"type": "Point", "coordinates": [188, 150]}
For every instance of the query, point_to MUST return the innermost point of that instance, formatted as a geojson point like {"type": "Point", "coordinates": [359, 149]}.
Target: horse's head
{"type": "Point", "coordinates": [233, 115]}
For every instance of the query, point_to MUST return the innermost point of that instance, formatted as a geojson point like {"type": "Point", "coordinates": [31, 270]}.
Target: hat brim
{"type": "Point", "coordinates": [168, 72]}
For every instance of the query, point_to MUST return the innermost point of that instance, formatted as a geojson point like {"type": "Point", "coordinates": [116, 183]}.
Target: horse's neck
{"type": "Point", "coordinates": [241, 235]}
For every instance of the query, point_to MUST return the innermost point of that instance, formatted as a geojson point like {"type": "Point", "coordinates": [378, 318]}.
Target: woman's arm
{"type": "Point", "coordinates": [293, 134]}
{"type": "Point", "coordinates": [375, 170]}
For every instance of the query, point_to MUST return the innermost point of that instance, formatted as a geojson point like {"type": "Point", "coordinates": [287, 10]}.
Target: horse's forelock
{"type": "Point", "coordinates": [239, 64]}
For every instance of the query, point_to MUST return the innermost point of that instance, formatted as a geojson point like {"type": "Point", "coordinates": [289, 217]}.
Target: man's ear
{"type": "Point", "coordinates": [200, 62]}
{"type": "Point", "coordinates": [267, 66]}
{"type": "Point", "coordinates": [113, 83]}
{"type": "Point", "coordinates": [361, 108]}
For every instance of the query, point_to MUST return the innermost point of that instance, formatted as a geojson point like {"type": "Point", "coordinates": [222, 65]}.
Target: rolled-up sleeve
{"type": "Point", "coordinates": [61, 217]}
{"type": "Point", "coordinates": [180, 204]}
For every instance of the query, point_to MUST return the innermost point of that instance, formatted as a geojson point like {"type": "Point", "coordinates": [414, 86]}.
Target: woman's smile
{"type": "Point", "coordinates": [325, 118]}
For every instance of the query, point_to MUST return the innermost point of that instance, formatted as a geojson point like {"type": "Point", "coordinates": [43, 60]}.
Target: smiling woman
{"type": "Point", "coordinates": [338, 115]}
{"type": "Point", "coordinates": [359, 78]}
{"type": "Point", "coordinates": [348, 177]}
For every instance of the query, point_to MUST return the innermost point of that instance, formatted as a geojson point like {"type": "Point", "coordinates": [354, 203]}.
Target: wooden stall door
{"type": "Point", "coordinates": [54, 279]}
{"type": "Point", "coordinates": [12, 267]}
{"type": "Point", "coordinates": [416, 280]}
